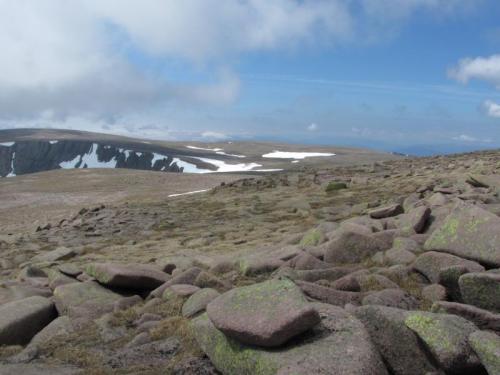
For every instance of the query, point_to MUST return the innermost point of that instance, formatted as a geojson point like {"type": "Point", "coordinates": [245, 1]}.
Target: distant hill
{"type": "Point", "coordinates": [25, 151]}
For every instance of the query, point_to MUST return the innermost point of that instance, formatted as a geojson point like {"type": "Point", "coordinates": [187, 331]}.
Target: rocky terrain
{"type": "Point", "coordinates": [24, 151]}
{"type": "Point", "coordinates": [383, 268]}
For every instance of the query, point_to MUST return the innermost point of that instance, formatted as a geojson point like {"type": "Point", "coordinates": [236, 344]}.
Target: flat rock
{"type": "Point", "coordinates": [305, 261]}
{"type": "Point", "coordinates": [186, 277]}
{"type": "Point", "coordinates": [61, 253]}
{"type": "Point", "coordinates": [339, 345]}
{"type": "Point", "coordinates": [487, 347]}
{"type": "Point", "coordinates": [21, 320]}
{"type": "Point", "coordinates": [88, 299]}
{"type": "Point", "coordinates": [469, 232]}
{"type": "Point", "coordinates": [37, 369]}
{"type": "Point", "coordinates": [179, 290]}
{"type": "Point", "coordinates": [265, 314]}
{"type": "Point", "coordinates": [330, 295]}
{"type": "Point", "coordinates": [198, 302]}
{"type": "Point", "coordinates": [397, 344]}
{"type": "Point", "coordinates": [446, 337]}
{"type": "Point", "coordinates": [431, 264]}
{"type": "Point", "coordinates": [395, 297]}
{"type": "Point", "coordinates": [257, 265]}
{"type": "Point", "coordinates": [128, 276]}
{"type": "Point", "coordinates": [481, 289]}
{"type": "Point", "coordinates": [386, 211]}
{"type": "Point", "coordinates": [483, 319]}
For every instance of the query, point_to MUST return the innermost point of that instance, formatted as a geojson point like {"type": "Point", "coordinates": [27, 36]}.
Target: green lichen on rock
{"type": "Point", "coordinates": [335, 186]}
{"type": "Point", "coordinates": [312, 238]}
{"type": "Point", "coordinates": [446, 337]}
{"type": "Point", "coordinates": [486, 344]}
{"type": "Point", "coordinates": [481, 289]}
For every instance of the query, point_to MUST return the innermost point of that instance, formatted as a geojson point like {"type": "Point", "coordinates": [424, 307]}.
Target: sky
{"type": "Point", "coordinates": [417, 76]}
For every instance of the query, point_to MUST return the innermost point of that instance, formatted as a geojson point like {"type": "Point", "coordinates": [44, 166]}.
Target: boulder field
{"type": "Point", "coordinates": [405, 286]}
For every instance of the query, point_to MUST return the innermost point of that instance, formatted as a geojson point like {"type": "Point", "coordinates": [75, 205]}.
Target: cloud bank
{"type": "Point", "coordinates": [85, 58]}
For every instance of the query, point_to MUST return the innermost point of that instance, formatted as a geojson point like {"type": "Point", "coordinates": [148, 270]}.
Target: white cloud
{"type": "Point", "coordinates": [217, 136]}
{"type": "Point", "coordinates": [491, 108]}
{"type": "Point", "coordinates": [313, 127]}
{"type": "Point", "coordinates": [480, 68]}
{"type": "Point", "coordinates": [63, 59]}
{"type": "Point", "coordinates": [468, 138]}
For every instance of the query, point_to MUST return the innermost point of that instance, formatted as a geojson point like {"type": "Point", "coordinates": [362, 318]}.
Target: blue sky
{"type": "Point", "coordinates": [414, 75]}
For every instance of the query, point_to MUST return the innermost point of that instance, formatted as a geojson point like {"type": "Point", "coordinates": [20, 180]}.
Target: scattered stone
{"type": "Point", "coordinates": [61, 253]}
{"type": "Point", "coordinates": [129, 276]}
{"type": "Point", "coordinates": [305, 261]}
{"type": "Point", "coordinates": [386, 211]}
{"type": "Point", "coordinates": [140, 339]}
{"type": "Point", "coordinates": [432, 263]}
{"type": "Point", "coordinates": [329, 295]}
{"type": "Point", "coordinates": [481, 290]}
{"type": "Point", "coordinates": [449, 276]}
{"type": "Point", "coordinates": [352, 245]}
{"type": "Point", "coordinates": [265, 314]}
{"type": "Point", "coordinates": [126, 303]}
{"type": "Point", "coordinates": [396, 298]}
{"type": "Point", "coordinates": [179, 290]}
{"type": "Point", "coordinates": [88, 299]}
{"type": "Point", "coordinates": [23, 319]}
{"type": "Point", "coordinates": [207, 280]}
{"type": "Point", "coordinates": [399, 256]}
{"type": "Point", "coordinates": [339, 345]}
{"type": "Point", "coordinates": [198, 302]}
{"type": "Point", "coordinates": [255, 266]}
{"type": "Point", "coordinates": [469, 232]}
{"type": "Point", "coordinates": [434, 292]}
{"type": "Point", "coordinates": [373, 282]}
{"type": "Point", "coordinates": [70, 269]}
{"type": "Point", "coordinates": [487, 347]}
{"type": "Point", "coordinates": [446, 337]}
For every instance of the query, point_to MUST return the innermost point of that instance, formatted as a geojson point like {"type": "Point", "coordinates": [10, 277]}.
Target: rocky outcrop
{"type": "Point", "coordinates": [36, 156]}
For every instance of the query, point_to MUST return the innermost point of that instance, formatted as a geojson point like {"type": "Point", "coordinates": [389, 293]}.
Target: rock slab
{"type": "Point", "coordinates": [23, 319]}
{"type": "Point", "coordinates": [265, 314]}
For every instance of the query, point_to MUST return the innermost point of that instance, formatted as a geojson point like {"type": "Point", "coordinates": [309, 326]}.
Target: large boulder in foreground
{"type": "Point", "coordinates": [23, 319]}
{"type": "Point", "coordinates": [339, 345]}
{"type": "Point", "coordinates": [265, 314]}
{"type": "Point", "coordinates": [446, 338]}
{"type": "Point", "coordinates": [469, 232]}
{"type": "Point", "coordinates": [481, 289]}
{"type": "Point", "coordinates": [129, 276]}
{"type": "Point", "coordinates": [397, 344]}
{"type": "Point", "coordinates": [487, 347]}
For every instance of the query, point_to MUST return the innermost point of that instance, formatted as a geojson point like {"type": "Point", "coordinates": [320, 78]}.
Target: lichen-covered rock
{"type": "Point", "coordinates": [481, 289]}
{"type": "Point", "coordinates": [449, 276]}
{"type": "Point", "coordinates": [397, 344]}
{"type": "Point", "coordinates": [314, 237]}
{"type": "Point", "coordinates": [258, 265]}
{"type": "Point", "coordinates": [446, 337]}
{"type": "Point", "coordinates": [339, 345]}
{"type": "Point", "coordinates": [265, 314]}
{"type": "Point", "coordinates": [88, 299]}
{"type": "Point", "coordinates": [23, 319]}
{"type": "Point", "coordinates": [415, 220]}
{"type": "Point", "coordinates": [129, 276]}
{"type": "Point", "coordinates": [487, 347]}
{"type": "Point", "coordinates": [352, 245]}
{"type": "Point", "coordinates": [431, 263]}
{"type": "Point", "coordinates": [198, 302]}
{"type": "Point", "coordinates": [483, 319]}
{"type": "Point", "coordinates": [305, 261]}
{"type": "Point", "coordinates": [397, 298]}
{"type": "Point", "coordinates": [469, 232]}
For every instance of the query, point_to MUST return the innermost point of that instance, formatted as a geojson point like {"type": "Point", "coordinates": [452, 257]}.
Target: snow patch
{"type": "Point", "coordinates": [218, 151]}
{"type": "Point", "coordinates": [267, 170]}
{"type": "Point", "coordinates": [188, 193]}
{"type": "Point", "coordinates": [7, 144]}
{"type": "Point", "coordinates": [53, 142]}
{"type": "Point", "coordinates": [90, 159]}
{"type": "Point", "coordinates": [12, 172]}
{"type": "Point", "coordinates": [295, 161]}
{"type": "Point", "coordinates": [295, 155]}
{"type": "Point", "coordinates": [222, 166]}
